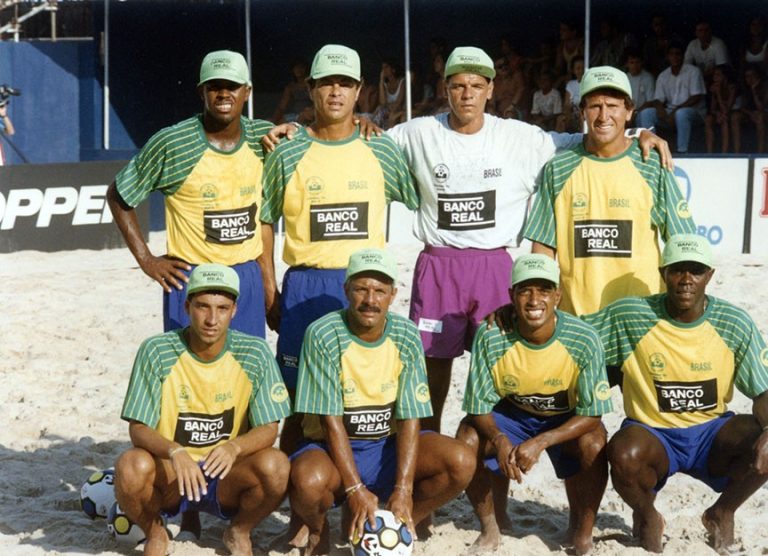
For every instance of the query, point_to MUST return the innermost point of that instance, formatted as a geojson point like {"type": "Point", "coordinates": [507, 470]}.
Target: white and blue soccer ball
{"type": "Point", "coordinates": [122, 528]}
{"type": "Point", "coordinates": [390, 537]}
{"type": "Point", "coordinates": [97, 495]}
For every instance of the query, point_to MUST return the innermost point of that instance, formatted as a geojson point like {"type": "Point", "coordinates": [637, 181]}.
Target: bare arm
{"type": "Point", "coordinates": [542, 249]}
{"type": "Point", "coordinates": [498, 444]}
{"type": "Point", "coordinates": [219, 461]}
{"type": "Point", "coordinates": [362, 502]}
{"type": "Point", "coordinates": [529, 451]}
{"type": "Point", "coordinates": [165, 271]}
{"type": "Point", "coordinates": [401, 501]}
{"type": "Point", "coordinates": [267, 264]}
{"type": "Point", "coordinates": [760, 411]}
{"type": "Point", "coordinates": [9, 129]}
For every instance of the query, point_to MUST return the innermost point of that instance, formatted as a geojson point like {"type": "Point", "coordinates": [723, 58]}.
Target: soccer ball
{"type": "Point", "coordinates": [389, 537]}
{"type": "Point", "coordinates": [122, 528]}
{"type": "Point", "coordinates": [98, 494]}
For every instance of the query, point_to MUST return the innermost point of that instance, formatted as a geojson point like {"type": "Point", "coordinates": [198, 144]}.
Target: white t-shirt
{"type": "Point", "coordinates": [643, 87]}
{"type": "Point", "coordinates": [474, 188]}
{"type": "Point", "coordinates": [547, 104]}
{"type": "Point", "coordinates": [674, 90]}
{"type": "Point", "coordinates": [573, 87]}
{"type": "Point", "coordinates": [705, 59]}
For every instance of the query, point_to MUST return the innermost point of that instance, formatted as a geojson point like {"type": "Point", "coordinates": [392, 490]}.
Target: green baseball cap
{"type": "Point", "coordinates": [604, 77]}
{"type": "Point", "coordinates": [377, 260]}
{"type": "Point", "coordinates": [687, 248]}
{"type": "Point", "coordinates": [212, 276]}
{"type": "Point", "coordinates": [335, 59]}
{"type": "Point", "coordinates": [224, 64]}
{"type": "Point", "coordinates": [469, 59]}
{"type": "Point", "coordinates": [535, 265]}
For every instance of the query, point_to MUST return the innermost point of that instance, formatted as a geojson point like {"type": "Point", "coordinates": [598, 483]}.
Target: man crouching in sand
{"type": "Point", "coordinates": [203, 405]}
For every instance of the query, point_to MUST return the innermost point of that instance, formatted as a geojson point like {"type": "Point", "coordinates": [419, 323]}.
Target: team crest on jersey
{"type": "Point", "coordinates": [349, 387]}
{"type": "Point", "coordinates": [422, 392]}
{"type": "Point", "coordinates": [603, 390]}
{"type": "Point", "coordinates": [441, 174]}
{"type": "Point", "coordinates": [580, 203]}
{"type": "Point", "coordinates": [682, 209]}
{"type": "Point", "coordinates": [278, 393]}
{"type": "Point", "coordinates": [209, 192]}
{"type": "Point", "coordinates": [764, 356]}
{"type": "Point", "coordinates": [657, 364]}
{"type": "Point", "coordinates": [315, 186]}
{"type": "Point", "coordinates": [509, 383]}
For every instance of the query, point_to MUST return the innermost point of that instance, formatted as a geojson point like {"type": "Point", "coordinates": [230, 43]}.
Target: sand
{"type": "Point", "coordinates": [71, 324]}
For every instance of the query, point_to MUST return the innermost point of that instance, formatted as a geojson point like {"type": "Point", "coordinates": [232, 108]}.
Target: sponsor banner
{"type": "Point", "coordinates": [716, 191]}
{"type": "Point", "coordinates": [336, 221]}
{"type": "Point", "coordinates": [200, 429]}
{"type": "Point", "coordinates": [759, 229]}
{"type": "Point", "coordinates": [230, 226]}
{"type": "Point", "coordinates": [369, 422]}
{"type": "Point", "coordinates": [55, 207]}
{"type": "Point", "coordinates": [466, 211]}
{"type": "Point", "coordinates": [682, 397]}
{"type": "Point", "coordinates": [556, 402]}
{"type": "Point", "coordinates": [602, 238]}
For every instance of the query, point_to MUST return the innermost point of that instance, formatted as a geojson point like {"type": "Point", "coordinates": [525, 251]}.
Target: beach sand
{"type": "Point", "coordinates": [71, 325]}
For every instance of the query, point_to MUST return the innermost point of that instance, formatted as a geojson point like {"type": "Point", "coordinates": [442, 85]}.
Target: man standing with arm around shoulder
{"type": "Point", "coordinates": [203, 405]}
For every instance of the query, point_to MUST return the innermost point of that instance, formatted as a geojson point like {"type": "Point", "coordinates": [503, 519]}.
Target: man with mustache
{"type": "Point", "coordinates": [681, 353]}
{"type": "Point", "coordinates": [540, 385]}
{"type": "Point", "coordinates": [363, 388]}
{"type": "Point", "coordinates": [203, 407]}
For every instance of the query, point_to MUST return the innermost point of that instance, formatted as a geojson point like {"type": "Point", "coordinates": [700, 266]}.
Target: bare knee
{"type": "Point", "coordinates": [308, 480]}
{"type": "Point", "coordinates": [461, 463]}
{"type": "Point", "coordinates": [273, 469]}
{"type": "Point", "coordinates": [592, 446]}
{"type": "Point", "coordinates": [467, 434]}
{"type": "Point", "coordinates": [134, 469]}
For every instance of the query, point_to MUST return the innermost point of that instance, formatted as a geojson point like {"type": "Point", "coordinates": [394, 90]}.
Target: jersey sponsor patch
{"type": "Point", "coordinates": [682, 397]}
{"type": "Point", "coordinates": [338, 221]}
{"type": "Point", "coordinates": [369, 423]}
{"type": "Point", "coordinates": [602, 238]}
{"type": "Point", "coordinates": [231, 225]}
{"type": "Point", "coordinates": [200, 429]}
{"type": "Point", "coordinates": [289, 361]}
{"type": "Point", "coordinates": [556, 402]}
{"type": "Point", "coordinates": [466, 211]}
{"type": "Point", "coordinates": [430, 325]}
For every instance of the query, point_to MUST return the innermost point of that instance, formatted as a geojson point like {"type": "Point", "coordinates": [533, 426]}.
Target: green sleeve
{"type": "Point", "coordinates": [142, 400]}
{"type": "Point", "coordinates": [412, 389]}
{"type": "Point", "coordinates": [676, 217]}
{"type": "Point", "coordinates": [269, 397]}
{"type": "Point", "coordinates": [480, 395]}
{"type": "Point", "coordinates": [279, 168]}
{"type": "Point", "coordinates": [594, 392]}
{"type": "Point", "coordinates": [541, 225]}
{"type": "Point", "coordinates": [319, 384]}
{"type": "Point", "coordinates": [398, 181]}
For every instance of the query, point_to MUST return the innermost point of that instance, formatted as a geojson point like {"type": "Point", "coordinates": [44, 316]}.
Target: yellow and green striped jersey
{"type": "Point", "coordinates": [565, 374]}
{"type": "Point", "coordinates": [603, 215]}
{"type": "Point", "coordinates": [675, 374]}
{"type": "Point", "coordinates": [370, 384]}
{"type": "Point", "coordinates": [212, 197]}
{"type": "Point", "coordinates": [203, 404]}
{"type": "Point", "coordinates": [333, 195]}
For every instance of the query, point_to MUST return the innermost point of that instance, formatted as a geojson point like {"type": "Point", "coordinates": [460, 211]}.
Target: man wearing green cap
{"type": "Point", "coordinates": [203, 406]}
{"type": "Point", "coordinates": [600, 207]}
{"type": "Point", "coordinates": [209, 169]}
{"type": "Point", "coordinates": [681, 353]}
{"type": "Point", "coordinates": [362, 387]}
{"type": "Point", "coordinates": [539, 386]}
{"type": "Point", "coordinates": [332, 189]}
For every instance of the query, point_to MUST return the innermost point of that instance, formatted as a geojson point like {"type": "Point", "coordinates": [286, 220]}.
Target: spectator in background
{"type": "Point", "coordinates": [391, 93]}
{"type": "Point", "coordinates": [436, 101]}
{"type": "Point", "coordinates": [642, 81]}
{"type": "Point", "coordinates": [570, 119]}
{"type": "Point", "coordinates": [657, 44]}
{"type": "Point", "coordinates": [755, 49]}
{"type": "Point", "coordinates": [6, 128]}
{"type": "Point", "coordinates": [547, 102]}
{"type": "Point", "coordinates": [509, 90]}
{"type": "Point", "coordinates": [610, 51]}
{"type": "Point", "coordinates": [679, 99]}
{"type": "Point", "coordinates": [571, 45]}
{"type": "Point", "coordinates": [722, 101]}
{"type": "Point", "coordinates": [295, 104]}
{"type": "Point", "coordinates": [754, 107]}
{"type": "Point", "coordinates": [706, 51]}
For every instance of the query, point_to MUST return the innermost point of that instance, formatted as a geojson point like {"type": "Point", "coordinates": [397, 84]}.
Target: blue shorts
{"type": "Point", "coordinates": [520, 426]}
{"type": "Point", "coordinates": [688, 450]}
{"type": "Point", "coordinates": [209, 502]}
{"type": "Point", "coordinates": [250, 315]}
{"type": "Point", "coordinates": [308, 294]}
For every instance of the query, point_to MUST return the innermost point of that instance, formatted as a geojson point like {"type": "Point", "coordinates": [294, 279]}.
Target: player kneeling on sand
{"type": "Point", "coordinates": [681, 353]}
{"type": "Point", "coordinates": [362, 386]}
{"type": "Point", "coordinates": [539, 386]}
{"type": "Point", "coordinates": [203, 405]}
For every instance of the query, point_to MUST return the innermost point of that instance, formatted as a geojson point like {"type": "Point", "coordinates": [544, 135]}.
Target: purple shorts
{"type": "Point", "coordinates": [453, 291]}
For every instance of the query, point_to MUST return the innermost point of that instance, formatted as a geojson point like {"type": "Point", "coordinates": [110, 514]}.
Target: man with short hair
{"type": "Point", "coordinates": [539, 386]}
{"type": "Point", "coordinates": [678, 100]}
{"type": "Point", "coordinates": [362, 387]}
{"type": "Point", "coordinates": [203, 405]}
{"type": "Point", "coordinates": [600, 208]}
{"type": "Point", "coordinates": [706, 52]}
{"type": "Point", "coordinates": [642, 81]}
{"type": "Point", "coordinates": [209, 169]}
{"type": "Point", "coordinates": [681, 353]}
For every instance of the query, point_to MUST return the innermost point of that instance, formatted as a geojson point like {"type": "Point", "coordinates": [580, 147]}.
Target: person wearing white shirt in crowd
{"type": "Point", "coordinates": [705, 51]}
{"type": "Point", "coordinates": [642, 81]}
